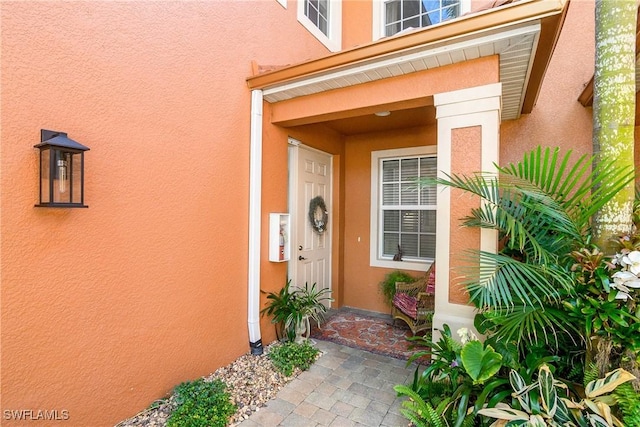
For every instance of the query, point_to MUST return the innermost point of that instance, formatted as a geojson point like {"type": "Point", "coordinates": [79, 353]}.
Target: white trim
{"type": "Point", "coordinates": [283, 3]}
{"type": "Point", "coordinates": [377, 23]}
{"type": "Point", "coordinates": [481, 107]}
{"type": "Point", "coordinates": [293, 153]}
{"type": "Point", "coordinates": [457, 103]}
{"type": "Point", "coordinates": [255, 207]}
{"type": "Point", "coordinates": [374, 225]}
{"type": "Point", "coordinates": [333, 41]}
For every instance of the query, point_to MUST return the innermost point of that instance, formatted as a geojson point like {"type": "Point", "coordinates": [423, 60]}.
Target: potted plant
{"type": "Point", "coordinates": [388, 284]}
{"type": "Point", "coordinates": [293, 309]}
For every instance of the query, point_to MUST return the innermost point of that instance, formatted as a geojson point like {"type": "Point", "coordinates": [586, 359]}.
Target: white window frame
{"type": "Point", "coordinates": [379, 21]}
{"type": "Point", "coordinates": [333, 41]}
{"type": "Point", "coordinates": [375, 226]}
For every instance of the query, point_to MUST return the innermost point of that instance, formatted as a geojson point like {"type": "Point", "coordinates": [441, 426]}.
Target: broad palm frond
{"type": "Point", "coordinates": [529, 220]}
{"type": "Point", "coordinates": [536, 201]}
{"type": "Point", "coordinates": [502, 208]}
{"type": "Point", "coordinates": [581, 188]}
{"type": "Point", "coordinates": [534, 325]}
{"type": "Point", "coordinates": [502, 282]}
{"type": "Point", "coordinates": [541, 208]}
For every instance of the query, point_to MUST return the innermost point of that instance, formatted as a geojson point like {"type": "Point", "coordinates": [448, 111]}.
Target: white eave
{"type": "Point", "coordinates": [516, 46]}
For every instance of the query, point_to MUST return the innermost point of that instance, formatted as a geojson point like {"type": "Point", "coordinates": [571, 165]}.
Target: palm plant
{"type": "Point", "coordinates": [310, 305]}
{"type": "Point", "coordinates": [541, 208]}
{"type": "Point", "coordinates": [293, 308]}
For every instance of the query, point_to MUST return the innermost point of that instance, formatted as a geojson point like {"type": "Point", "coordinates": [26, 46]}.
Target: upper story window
{"type": "Point", "coordinates": [318, 13]}
{"type": "Point", "coordinates": [323, 18]}
{"type": "Point", "coordinates": [403, 14]}
{"type": "Point", "coordinates": [394, 16]}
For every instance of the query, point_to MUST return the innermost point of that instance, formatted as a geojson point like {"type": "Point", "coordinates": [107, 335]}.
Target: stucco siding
{"type": "Point", "coordinates": [105, 309]}
{"type": "Point", "coordinates": [558, 119]}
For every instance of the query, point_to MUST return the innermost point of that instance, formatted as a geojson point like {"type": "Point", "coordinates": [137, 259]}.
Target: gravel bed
{"type": "Point", "coordinates": [251, 380]}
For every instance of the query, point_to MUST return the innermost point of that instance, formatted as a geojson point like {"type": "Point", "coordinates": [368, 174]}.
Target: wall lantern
{"type": "Point", "coordinates": [61, 171]}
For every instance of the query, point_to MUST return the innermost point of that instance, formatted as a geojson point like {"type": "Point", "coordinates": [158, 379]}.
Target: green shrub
{"type": "Point", "coordinates": [421, 413]}
{"type": "Point", "coordinates": [290, 355]}
{"type": "Point", "coordinates": [463, 375]}
{"type": "Point", "coordinates": [388, 284]}
{"type": "Point", "coordinates": [629, 404]}
{"type": "Point", "coordinates": [549, 402]}
{"type": "Point", "coordinates": [201, 404]}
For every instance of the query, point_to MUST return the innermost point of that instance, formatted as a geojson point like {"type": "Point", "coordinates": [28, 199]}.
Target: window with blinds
{"type": "Point", "coordinates": [407, 212]}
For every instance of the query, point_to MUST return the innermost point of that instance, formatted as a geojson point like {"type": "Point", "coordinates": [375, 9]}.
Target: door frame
{"type": "Point", "coordinates": [293, 155]}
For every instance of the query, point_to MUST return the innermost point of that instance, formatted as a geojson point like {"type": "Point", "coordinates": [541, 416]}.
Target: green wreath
{"type": "Point", "coordinates": [318, 215]}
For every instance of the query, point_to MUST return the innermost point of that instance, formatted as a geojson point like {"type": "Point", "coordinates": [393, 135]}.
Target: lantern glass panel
{"type": "Point", "coordinates": [44, 175]}
{"type": "Point", "coordinates": [61, 174]}
{"type": "Point", "coordinates": [76, 178]}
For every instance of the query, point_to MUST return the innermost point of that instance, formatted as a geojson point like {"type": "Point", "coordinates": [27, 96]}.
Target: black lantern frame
{"type": "Point", "coordinates": [61, 171]}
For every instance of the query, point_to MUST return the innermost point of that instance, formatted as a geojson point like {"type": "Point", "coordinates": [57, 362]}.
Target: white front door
{"type": "Point", "coordinates": [310, 178]}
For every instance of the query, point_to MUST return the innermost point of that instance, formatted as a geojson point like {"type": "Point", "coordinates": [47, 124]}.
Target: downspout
{"type": "Point", "coordinates": [255, 207]}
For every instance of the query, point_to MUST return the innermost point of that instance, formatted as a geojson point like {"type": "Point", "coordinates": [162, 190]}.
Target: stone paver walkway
{"type": "Point", "coordinates": [344, 387]}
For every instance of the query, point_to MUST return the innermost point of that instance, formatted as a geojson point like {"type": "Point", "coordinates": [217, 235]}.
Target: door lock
{"type": "Point", "coordinates": [301, 258]}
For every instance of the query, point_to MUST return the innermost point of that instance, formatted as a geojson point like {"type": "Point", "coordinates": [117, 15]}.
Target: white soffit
{"type": "Point", "coordinates": [516, 46]}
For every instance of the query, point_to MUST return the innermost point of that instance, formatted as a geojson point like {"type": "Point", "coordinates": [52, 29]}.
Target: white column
{"type": "Point", "coordinates": [477, 106]}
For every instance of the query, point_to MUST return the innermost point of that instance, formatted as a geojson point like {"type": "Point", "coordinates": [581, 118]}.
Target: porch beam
{"type": "Point", "coordinates": [393, 93]}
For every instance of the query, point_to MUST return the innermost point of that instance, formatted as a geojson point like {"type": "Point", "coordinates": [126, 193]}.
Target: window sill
{"type": "Point", "coordinates": [402, 265]}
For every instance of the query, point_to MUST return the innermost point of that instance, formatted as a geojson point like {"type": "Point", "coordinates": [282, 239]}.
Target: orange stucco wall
{"type": "Point", "coordinates": [466, 154]}
{"type": "Point", "coordinates": [357, 28]}
{"type": "Point", "coordinates": [361, 282]}
{"type": "Point", "coordinates": [106, 309]}
{"type": "Point", "coordinates": [558, 119]}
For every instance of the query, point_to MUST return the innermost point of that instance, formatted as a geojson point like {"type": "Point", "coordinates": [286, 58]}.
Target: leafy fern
{"type": "Point", "coordinates": [629, 404]}
{"type": "Point", "coordinates": [419, 412]}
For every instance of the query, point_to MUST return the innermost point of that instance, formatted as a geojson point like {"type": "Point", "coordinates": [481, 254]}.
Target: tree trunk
{"type": "Point", "coordinates": [614, 110]}
{"type": "Point", "coordinates": [613, 130]}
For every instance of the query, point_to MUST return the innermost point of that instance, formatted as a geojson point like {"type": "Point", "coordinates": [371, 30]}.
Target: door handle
{"type": "Point", "coordinates": [301, 258]}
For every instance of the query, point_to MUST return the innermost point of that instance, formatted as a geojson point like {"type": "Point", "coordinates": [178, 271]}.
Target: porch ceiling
{"type": "Point", "coordinates": [398, 119]}
{"type": "Point", "coordinates": [523, 34]}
